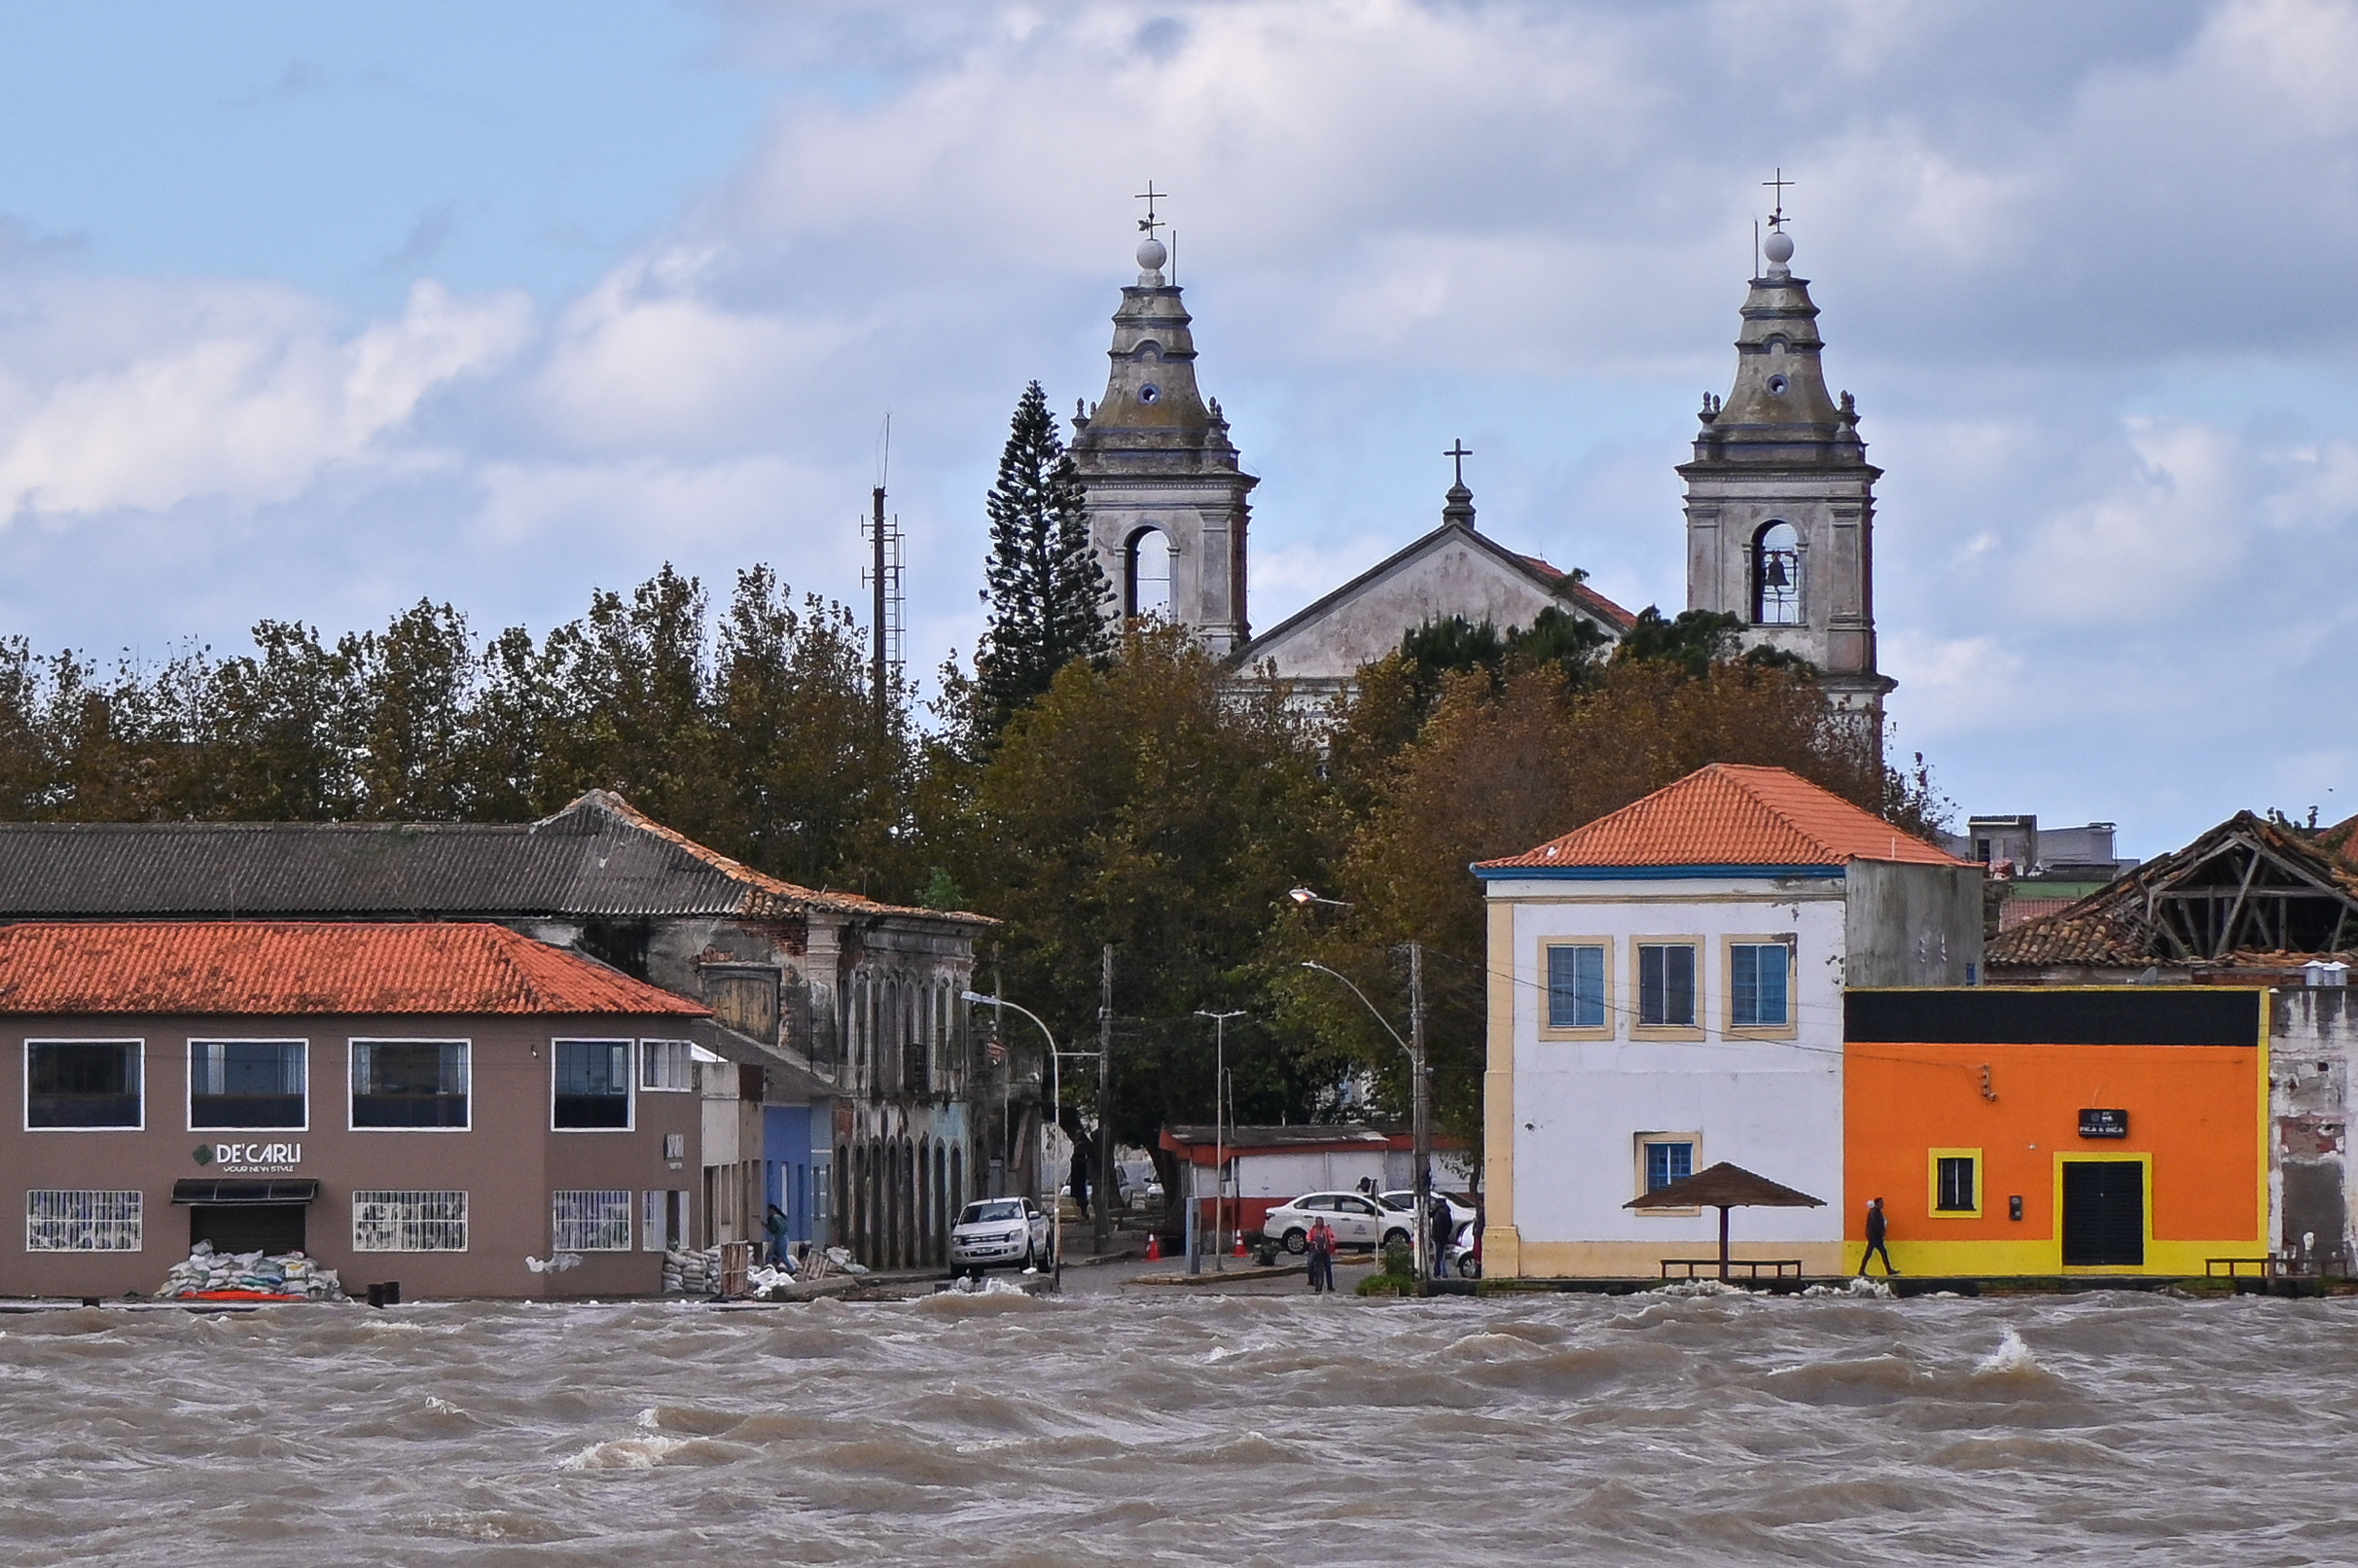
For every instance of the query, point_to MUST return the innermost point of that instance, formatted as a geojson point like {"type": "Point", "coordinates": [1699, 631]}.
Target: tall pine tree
{"type": "Point", "coordinates": [1046, 593]}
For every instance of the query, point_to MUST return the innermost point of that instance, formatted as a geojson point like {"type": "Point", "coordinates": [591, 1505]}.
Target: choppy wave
{"type": "Point", "coordinates": [1182, 1428]}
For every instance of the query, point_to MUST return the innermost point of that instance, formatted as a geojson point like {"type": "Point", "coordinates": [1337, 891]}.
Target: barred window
{"type": "Point", "coordinates": [82, 1221]}
{"type": "Point", "coordinates": [409, 1221]}
{"type": "Point", "coordinates": [589, 1221]}
{"type": "Point", "coordinates": [666, 1064]}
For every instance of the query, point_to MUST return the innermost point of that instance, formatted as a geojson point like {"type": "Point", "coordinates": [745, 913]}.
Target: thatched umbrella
{"type": "Point", "coordinates": [1725, 1187]}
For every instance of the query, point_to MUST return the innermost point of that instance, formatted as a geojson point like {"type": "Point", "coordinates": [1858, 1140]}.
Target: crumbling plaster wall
{"type": "Point", "coordinates": [2312, 1035]}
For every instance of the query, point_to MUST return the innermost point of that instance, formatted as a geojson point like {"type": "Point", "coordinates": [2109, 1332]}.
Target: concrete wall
{"type": "Point", "coordinates": [1914, 925]}
{"type": "Point", "coordinates": [2312, 1188]}
{"type": "Point", "coordinates": [1564, 1117]}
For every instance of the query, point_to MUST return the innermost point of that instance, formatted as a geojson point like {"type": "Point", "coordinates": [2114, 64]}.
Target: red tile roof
{"type": "Point", "coordinates": [279, 968]}
{"type": "Point", "coordinates": [1730, 815]}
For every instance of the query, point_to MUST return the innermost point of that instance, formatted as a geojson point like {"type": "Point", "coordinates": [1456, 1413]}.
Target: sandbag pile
{"type": "Point", "coordinates": [697, 1273]}
{"type": "Point", "coordinates": [206, 1273]}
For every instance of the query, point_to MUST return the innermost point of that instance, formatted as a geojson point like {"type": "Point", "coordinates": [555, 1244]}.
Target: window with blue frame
{"type": "Point", "coordinates": [1760, 982]}
{"type": "Point", "coordinates": [1576, 987]}
{"type": "Point", "coordinates": [1668, 1162]}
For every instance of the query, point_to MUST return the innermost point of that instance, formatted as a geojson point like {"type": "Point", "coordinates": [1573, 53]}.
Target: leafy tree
{"type": "Point", "coordinates": [415, 682]}
{"type": "Point", "coordinates": [1149, 805]}
{"type": "Point", "coordinates": [1046, 593]}
{"type": "Point", "coordinates": [814, 794]}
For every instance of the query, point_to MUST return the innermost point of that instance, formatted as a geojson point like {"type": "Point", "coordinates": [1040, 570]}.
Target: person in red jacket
{"type": "Point", "coordinates": [1322, 1255]}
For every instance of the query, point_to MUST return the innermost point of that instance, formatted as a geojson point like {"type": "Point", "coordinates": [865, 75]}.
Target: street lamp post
{"type": "Point", "coordinates": [1056, 1095]}
{"type": "Point", "coordinates": [1195, 1257]}
{"type": "Point", "coordinates": [1420, 1090]}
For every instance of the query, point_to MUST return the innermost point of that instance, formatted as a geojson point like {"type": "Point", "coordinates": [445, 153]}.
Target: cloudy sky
{"type": "Point", "coordinates": [312, 311]}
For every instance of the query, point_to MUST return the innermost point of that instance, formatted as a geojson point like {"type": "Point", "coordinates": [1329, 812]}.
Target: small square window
{"type": "Point", "coordinates": [593, 1085]}
{"type": "Point", "coordinates": [1576, 987]}
{"type": "Point", "coordinates": [1668, 1162]}
{"type": "Point", "coordinates": [1759, 981]}
{"type": "Point", "coordinates": [1666, 985]}
{"type": "Point", "coordinates": [1955, 1190]}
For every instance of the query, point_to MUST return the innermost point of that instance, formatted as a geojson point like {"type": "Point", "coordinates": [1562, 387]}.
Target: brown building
{"type": "Point", "coordinates": [432, 1104]}
{"type": "Point", "coordinates": [850, 1095]}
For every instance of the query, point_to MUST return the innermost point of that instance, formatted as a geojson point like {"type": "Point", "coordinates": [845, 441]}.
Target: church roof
{"type": "Point", "coordinates": [1727, 814]}
{"type": "Point", "coordinates": [1548, 579]}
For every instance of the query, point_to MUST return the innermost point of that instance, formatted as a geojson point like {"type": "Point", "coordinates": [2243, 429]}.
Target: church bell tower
{"type": "Point", "coordinates": [1780, 497]}
{"type": "Point", "coordinates": [1159, 472]}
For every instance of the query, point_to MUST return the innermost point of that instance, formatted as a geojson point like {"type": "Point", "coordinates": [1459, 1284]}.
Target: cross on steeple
{"type": "Point", "coordinates": [1150, 196]}
{"type": "Point", "coordinates": [1776, 219]}
{"type": "Point", "coordinates": [1458, 452]}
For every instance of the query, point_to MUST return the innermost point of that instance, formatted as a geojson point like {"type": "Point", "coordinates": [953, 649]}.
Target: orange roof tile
{"type": "Point", "coordinates": [1730, 815]}
{"type": "Point", "coordinates": [281, 967]}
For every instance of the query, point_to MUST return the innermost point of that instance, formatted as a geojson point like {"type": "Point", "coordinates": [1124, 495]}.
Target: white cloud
{"type": "Point", "coordinates": [244, 394]}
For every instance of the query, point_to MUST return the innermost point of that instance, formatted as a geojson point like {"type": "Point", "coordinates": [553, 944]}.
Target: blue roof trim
{"type": "Point", "coordinates": [1644, 873]}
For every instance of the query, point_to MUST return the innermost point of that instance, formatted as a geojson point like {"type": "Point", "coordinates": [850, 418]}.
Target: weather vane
{"type": "Point", "coordinates": [1150, 223]}
{"type": "Point", "coordinates": [1776, 219]}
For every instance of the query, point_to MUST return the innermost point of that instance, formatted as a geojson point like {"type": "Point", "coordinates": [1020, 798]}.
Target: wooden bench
{"type": "Point", "coordinates": [2268, 1268]}
{"type": "Point", "coordinates": [1700, 1267]}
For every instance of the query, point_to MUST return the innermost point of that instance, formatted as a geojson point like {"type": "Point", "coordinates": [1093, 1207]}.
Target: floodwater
{"type": "Point", "coordinates": [1148, 1426]}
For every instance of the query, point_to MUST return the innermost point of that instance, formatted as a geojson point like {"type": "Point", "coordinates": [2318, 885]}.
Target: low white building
{"type": "Point", "coordinates": [1667, 993]}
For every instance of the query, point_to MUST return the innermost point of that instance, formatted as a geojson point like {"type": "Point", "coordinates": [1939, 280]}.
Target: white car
{"type": "Point", "coordinates": [1357, 1220]}
{"type": "Point", "coordinates": [997, 1232]}
{"type": "Point", "coordinates": [1461, 1215]}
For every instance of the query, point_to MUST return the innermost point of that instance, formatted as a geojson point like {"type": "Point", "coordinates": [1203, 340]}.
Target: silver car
{"type": "Point", "coordinates": [1000, 1233]}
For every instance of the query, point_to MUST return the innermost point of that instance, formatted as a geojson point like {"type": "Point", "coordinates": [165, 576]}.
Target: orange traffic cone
{"type": "Point", "coordinates": [1154, 1248]}
{"type": "Point", "coordinates": [1240, 1252]}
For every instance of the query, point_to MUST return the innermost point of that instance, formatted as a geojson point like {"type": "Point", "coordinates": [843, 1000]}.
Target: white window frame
{"type": "Point", "coordinates": [188, 1097]}
{"type": "Point", "coordinates": [25, 1106]}
{"type": "Point", "coordinates": [669, 1054]}
{"type": "Point", "coordinates": [581, 1212]}
{"type": "Point", "coordinates": [630, 1072]}
{"type": "Point", "coordinates": [129, 1219]}
{"type": "Point", "coordinates": [352, 1076]}
{"type": "Point", "coordinates": [410, 1230]}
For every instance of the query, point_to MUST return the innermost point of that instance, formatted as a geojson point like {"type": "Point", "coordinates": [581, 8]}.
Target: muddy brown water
{"type": "Point", "coordinates": [1151, 1427]}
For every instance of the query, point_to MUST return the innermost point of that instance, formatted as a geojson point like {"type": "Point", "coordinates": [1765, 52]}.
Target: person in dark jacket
{"type": "Point", "coordinates": [1444, 1228]}
{"type": "Point", "coordinates": [1079, 1177]}
{"type": "Point", "coordinates": [774, 1222]}
{"type": "Point", "coordinates": [1874, 1241]}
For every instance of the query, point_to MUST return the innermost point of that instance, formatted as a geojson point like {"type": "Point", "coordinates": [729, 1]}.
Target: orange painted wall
{"type": "Point", "coordinates": [2194, 1109]}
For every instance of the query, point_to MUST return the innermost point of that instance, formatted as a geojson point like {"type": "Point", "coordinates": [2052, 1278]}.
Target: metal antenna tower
{"type": "Point", "coordinates": [882, 578]}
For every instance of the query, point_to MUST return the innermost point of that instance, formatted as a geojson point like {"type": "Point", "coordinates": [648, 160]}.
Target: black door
{"type": "Point", "coordinates": [272, 1227]}
{"type": "Point", "coordinates": [2103, 1213]}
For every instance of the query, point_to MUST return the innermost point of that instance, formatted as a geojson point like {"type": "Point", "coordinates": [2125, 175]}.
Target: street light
{"type": "Point", "coordinates": [1419, 1089]}
{"type": "Point", "coordinates": [1195, 1257]}
{"type": "Point", "coordinates": [1056, 1095]}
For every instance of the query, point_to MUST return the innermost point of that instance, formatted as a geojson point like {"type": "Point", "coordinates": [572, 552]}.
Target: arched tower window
{"type": "Point", "coordinates": [1146, 574]}
{"type": "Point", "coordinates": [1777, 576]}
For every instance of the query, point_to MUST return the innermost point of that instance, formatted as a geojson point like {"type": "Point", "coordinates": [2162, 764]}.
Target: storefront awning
{"type": "Point", "coordinates": [212, 1193]}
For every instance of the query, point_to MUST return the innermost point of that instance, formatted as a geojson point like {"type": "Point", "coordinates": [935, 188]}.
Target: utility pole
{"type": "Point", "coordinates": [1195, 1225]}
{"type": "Point", "coordinates": [1421, 1091]}
{"type": "Point", "coordinates": [1103, 1234]}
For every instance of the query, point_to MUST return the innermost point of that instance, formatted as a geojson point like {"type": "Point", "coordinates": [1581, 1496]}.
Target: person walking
{"type": "Point", "coordinates": [1322, 1255]}
{"type": "Point", "coordinates": [774, 1222]}
{"type": "Point", "coordinates": [1079, 1177]}
{"type": "Point", "coordinates": [1874, 1241]}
